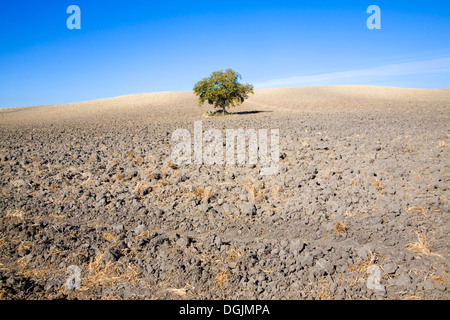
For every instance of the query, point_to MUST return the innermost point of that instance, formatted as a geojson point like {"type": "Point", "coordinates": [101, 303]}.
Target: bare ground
{"type": "Point", "coordinates": [363, 181]}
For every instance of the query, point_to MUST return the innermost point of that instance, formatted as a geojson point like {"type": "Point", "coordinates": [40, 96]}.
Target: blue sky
{"type": "Point", "coordinates": [137, 46]}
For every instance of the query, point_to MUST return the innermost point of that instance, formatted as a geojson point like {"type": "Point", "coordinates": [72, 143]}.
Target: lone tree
{"type": "Point", "coordinates": [222, 90]}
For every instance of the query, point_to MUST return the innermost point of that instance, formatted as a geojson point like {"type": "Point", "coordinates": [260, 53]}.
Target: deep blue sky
{"type": "Point", "coordinates": [137, 46]}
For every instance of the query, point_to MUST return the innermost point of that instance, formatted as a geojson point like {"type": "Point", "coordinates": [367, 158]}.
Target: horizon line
{"type": "Point", "coordinates": [187, 91]}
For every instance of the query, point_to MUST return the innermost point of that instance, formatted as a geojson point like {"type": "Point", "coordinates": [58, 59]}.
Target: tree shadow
{"type": "Point", "coordinates": [248, 112]}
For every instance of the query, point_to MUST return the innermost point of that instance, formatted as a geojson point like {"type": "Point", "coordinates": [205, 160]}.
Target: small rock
{"type": "Point", "coordinates": [428, 285]}
{"type": "Point", "coordinates": [403, 280]}
{"type": "Point", "coordinates": [136, 205]}
{"type": "Point", "coordinates": [306, 259]}
{"type": "Point", "coordinates": [296, 247]}
{"type": "Point", "coordinates": [390, 267]}
{"type": "Point", "coordinates": [101, 195]}
{"type": "Point", "coordinates": [183, 242]}
{"type": "Point", "coordinates": [118, 227]}
{"type": "Point", "coordinates": [325, 265]}
{"type": "Point", "coordinates": [248, 209]}
{"type": "Point", "coordinates": [365, 251]}
{"type": "Point", "coordinates": [139, 229]}
{"type": "Point", "coordinates": [111, 255]}
{"type": "Point", "coordinates": [218, 242]}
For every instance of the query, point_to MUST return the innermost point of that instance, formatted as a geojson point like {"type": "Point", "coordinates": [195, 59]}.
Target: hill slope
{"type": "Point", "coordinates": [184, 104]}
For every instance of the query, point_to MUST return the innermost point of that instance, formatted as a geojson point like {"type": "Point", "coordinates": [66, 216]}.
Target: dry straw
{"type": "Point", "coordinates": [421, 246]}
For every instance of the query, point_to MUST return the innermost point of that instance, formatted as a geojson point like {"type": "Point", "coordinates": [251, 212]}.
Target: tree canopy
{"type": "Point", "coordinates": [222, 89]}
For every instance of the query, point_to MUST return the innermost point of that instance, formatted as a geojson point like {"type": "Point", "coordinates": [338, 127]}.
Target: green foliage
{"type": "Point", "coordinates": [222, 89]}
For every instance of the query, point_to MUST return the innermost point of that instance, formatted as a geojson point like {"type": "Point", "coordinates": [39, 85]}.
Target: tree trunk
{"type": "Point", "coordinates": [223, 109]}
